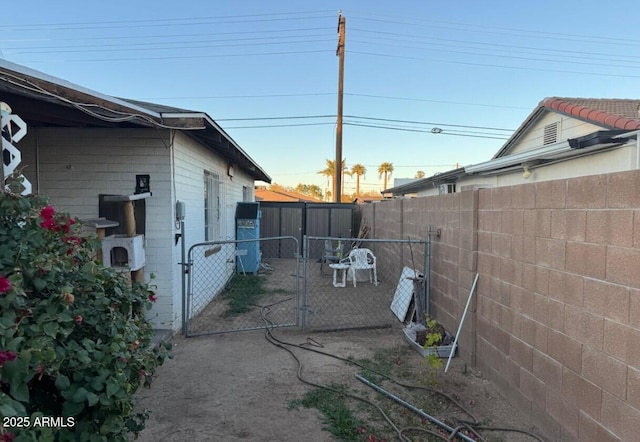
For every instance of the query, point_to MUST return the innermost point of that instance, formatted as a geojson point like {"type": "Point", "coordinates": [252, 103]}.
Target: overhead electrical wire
{"type": "Point", "coordinates": [456, 128]}
{"type": "Point", "coordinates": [251, 18]}
{"type": "Point", "coordinates": [126, 46]}
{"type": "Point", "coordinates": [466, 63]}
{"type": "Point", "coordinates": [513, 57]}
{"type": "Point", "coordinates": [67, 51]}
{"type": "Point", "coordinates": [164, 22]}
{"type": "Point", "coordinates": [425, 131]}
{"type": "Point", "coordinates": [200, 56]}
{"type": "Point", "coordinates": [511, 31]}
{"type": "Point", "coordinates": [363, 118]}
{"type": "Point", "coordinates": [311, 94]}
{"type": "Point", "coordinates": [501, 46]}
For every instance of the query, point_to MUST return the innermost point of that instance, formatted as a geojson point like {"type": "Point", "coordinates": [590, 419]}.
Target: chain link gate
{"type": "Point", "coordinates": [240, 285]}
{"type": "Point", "coordinates": [331, 301]}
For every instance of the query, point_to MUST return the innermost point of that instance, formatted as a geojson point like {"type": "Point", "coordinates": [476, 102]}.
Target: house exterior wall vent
{"type": "Point", "coordinates": [550, 134]}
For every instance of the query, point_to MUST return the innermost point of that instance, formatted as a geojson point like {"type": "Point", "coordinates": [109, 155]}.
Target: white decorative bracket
{"type": "Point", "coordinates": [13, 130]}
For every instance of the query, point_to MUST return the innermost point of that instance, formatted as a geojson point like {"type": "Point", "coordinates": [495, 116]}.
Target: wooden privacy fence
{"type": "Point", "coordinates": [298, 219]}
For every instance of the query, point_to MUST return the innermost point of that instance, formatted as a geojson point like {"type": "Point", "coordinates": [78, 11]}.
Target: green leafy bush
{"type": "Point", "coordinates": [74, 341]}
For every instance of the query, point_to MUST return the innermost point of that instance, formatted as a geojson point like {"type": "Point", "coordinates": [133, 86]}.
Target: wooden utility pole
{"type": "Point", "coordinates": [337, 182]}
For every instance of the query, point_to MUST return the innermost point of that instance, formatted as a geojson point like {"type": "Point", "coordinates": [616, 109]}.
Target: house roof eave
{"type": "Point", "coordinates": [421, 184]}
{"type": "Point", "coordinates": [556, 151]}
{"type": "Point", "coordinates": [39, 86]}
{"type": "Point", "coordinates": [35, 81]}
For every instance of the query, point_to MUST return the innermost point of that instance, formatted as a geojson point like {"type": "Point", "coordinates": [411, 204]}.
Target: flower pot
{"type": "Point", "coordinates": [441, 351]}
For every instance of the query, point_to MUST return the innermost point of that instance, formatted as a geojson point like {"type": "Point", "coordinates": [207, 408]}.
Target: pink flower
{"type": "Point", "coordinates": [47, 212]}
{"type": "Point", "coordinates": [5, 284]}
{"type": "Point", "coordinates": [6, 356]}
{"type": "Point", "coordinates": [7, 437]}
{"type": "Point", "coordinates": [48, 224]}
{"type": "Point", "coordinates": [152, 297]}
{"type": "Point", "coordinates": [79, 319]}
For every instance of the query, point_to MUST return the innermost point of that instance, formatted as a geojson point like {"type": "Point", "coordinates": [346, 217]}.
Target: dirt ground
{"type": "Point", "coordinates": [239, 387]}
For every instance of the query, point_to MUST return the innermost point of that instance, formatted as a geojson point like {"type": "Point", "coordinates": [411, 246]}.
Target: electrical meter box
{"type": "Point", "coordinates": [248, 228]}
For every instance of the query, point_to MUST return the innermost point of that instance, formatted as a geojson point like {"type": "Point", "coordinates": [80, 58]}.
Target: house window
{"type": "Point", "coordinates": [447, 188]}
{"type": "Point", "coordinates": [212, 206]}
{"type": "Point", "coordinates": [245, 194]}
{"type": "Point", "coordinates": [550, 134]}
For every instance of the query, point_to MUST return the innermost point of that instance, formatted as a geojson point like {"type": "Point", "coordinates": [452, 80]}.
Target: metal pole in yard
{"type": "Point", "coordinates": [184, 280]}
{"type": "Point", "coordinates": [413, 408]}
{"type": "Point", "coordinates": [305, 277]}
{"type": "Point", "coordinates": [466, 307]}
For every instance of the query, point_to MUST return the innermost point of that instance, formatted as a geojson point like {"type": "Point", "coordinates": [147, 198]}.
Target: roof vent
{"type": "Point", "coordinates": [550, 135]}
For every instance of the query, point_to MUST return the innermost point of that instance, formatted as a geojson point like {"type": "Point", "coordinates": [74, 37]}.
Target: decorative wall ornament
{"type": "Point", "coordinates": [13, 130]}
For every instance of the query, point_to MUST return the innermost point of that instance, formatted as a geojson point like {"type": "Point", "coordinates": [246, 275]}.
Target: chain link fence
{"type": "Point", "coordinates": [242, 285]}
{"type": "Point", "coordinates": [331, 301]}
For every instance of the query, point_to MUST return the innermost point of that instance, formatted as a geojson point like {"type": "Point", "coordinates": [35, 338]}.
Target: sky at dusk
{"type": "Point", "coordinates": [267, 71]}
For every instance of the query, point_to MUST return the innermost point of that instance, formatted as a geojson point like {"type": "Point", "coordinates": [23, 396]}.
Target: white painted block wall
{"type": "Point", "coordinates": [73, 166]}
{"type": "Point", "coordinates": [191, 161]}
{"type": "Point", "coordinates": [76, 165]}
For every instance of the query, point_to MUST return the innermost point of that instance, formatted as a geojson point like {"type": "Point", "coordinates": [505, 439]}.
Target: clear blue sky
{"type": "Point", "coordinates": [471, 68]}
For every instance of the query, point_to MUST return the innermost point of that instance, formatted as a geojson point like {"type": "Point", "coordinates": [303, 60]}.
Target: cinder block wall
{"type": "Point", "coordinates": [453, 252]}
{"type": "Point", "coordinates": [557, 320]}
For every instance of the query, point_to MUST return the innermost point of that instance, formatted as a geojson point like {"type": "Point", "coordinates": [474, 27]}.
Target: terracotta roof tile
{"type": "Point", "coordinates": [612, 112]}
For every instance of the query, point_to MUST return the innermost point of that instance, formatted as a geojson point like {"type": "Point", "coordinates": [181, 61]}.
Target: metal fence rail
{"type": "Point", "coordinates": [232, 287]}
{"type": "Point", "coordinates": [329, 305]}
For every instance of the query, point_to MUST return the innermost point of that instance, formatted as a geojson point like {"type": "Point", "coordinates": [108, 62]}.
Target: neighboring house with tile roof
{"type": "Point", "coordinates": [281, 195]}
{"type": "Point", "coordinates": [561, 138]}
{"type": "Point", "coordinates": [82, 145]}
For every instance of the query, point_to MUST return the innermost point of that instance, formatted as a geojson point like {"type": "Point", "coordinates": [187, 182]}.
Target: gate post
{"type": "Point", "coordinates": [305, 270]}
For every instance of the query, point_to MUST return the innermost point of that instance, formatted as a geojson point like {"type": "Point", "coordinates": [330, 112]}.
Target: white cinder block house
{"type": "Point", "coordinates": [561, 138]}
{"type": "Point", "coordinates": [81, 144]}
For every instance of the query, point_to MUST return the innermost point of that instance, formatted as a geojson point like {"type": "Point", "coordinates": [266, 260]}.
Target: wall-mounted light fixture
{"type": "Point", "coordinates": [230, 171]}
{"type": "Point", "coordinates": [527, 172]}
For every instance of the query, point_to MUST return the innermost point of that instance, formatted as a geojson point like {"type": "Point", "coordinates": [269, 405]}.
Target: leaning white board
{"type": "Point", "coordinates": [404, 293]}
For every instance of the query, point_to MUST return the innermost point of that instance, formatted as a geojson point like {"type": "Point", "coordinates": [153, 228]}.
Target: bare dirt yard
{"type": "Point", "coordinates": [241, 387]}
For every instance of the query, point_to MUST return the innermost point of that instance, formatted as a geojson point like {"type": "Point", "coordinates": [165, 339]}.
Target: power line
{"type": "Point", "coordinates": [561, 52]}
{"type": "Point", "coordinates": [200, 97]}
{"type": "Point", "coordinates": [387, 97]}
{"type": "Point", "coordinates": [199, 56]}
{"type": "Point", "coordinates": [448, 51]}
{"type": "Point", "coordinates": [160, 43]}
{"type": "Point", "coordinates": [277, 125]}
{"type": "Point", "coordinates": [126, 49]}
{"type": "Point", "coordinates": [311, 94]}
{"type": "Point", "coordinates": [275, 118]}
{"type": "Point", "coordinates": [491, 136]}
{"type": "Point", "coordinates": [495, 65]}
{"type": "Point", "coordinates": [364, 118]}
{"type": "Point", "coordinates": [427, 123]}
{"type": "Point", "coordinates": [188, 21]}
{"type": "Point", "coordinates": [511, 31]}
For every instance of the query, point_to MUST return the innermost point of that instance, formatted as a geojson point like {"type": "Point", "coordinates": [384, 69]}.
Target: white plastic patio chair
{"type": "Point", "coordinates": [362, 259]}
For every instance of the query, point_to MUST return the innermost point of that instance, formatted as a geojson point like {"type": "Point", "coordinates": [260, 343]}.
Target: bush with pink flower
{"type": "Point", "coordinates": [74, 340]}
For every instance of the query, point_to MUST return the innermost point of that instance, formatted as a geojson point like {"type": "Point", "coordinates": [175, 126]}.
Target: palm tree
{"type": "Point", "coordinates": [385, 169]}
{"type": "Point", "coordinates": [420, 174]}
{"type": "Point", "coordinates": [329, 171]}
{"type": "Point", "coordinates": [358, 170]}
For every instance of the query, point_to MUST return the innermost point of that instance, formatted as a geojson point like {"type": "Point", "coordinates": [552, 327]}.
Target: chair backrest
{"type": "Point", "coordinates": [362, 258]}
{"type": "Point", "coordinates": [333, 249]}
